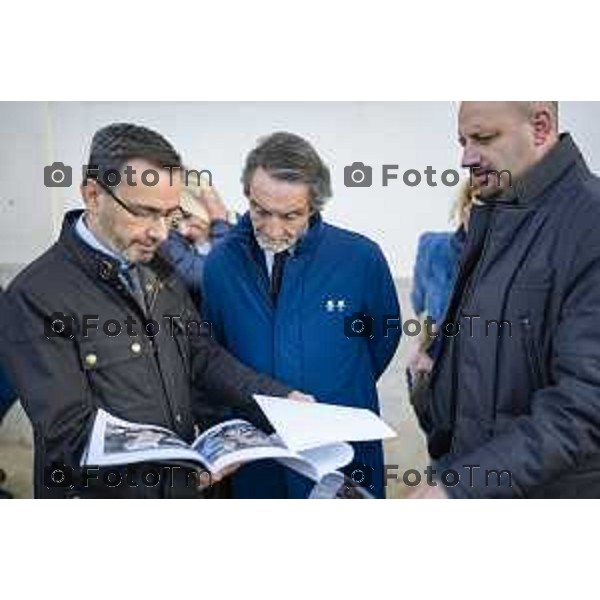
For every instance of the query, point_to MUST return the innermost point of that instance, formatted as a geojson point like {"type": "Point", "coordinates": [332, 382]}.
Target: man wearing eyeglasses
{"type": "Point", "coordinates": [102, 321]}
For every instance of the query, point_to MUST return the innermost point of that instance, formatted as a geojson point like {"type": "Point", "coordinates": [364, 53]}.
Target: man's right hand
{"type": "Point", "coordinates": [300, 397]}
{"type": "Point", "coordinates": [226, 472]}
{"type": "Point", "coordinates": [206, 479]}
{"type": "Point", "coordinates": [213, 203]}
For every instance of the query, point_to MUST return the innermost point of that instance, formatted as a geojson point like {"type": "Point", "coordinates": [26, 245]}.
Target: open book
{"type": "Point", "coordinates": [117, 442]}
{"type": "Point", "coordinates": [310, 438]}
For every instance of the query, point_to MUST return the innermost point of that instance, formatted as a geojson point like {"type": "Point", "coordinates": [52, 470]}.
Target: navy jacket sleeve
{"type": "Point", "coordinates": [218, 231]}
{"type": "Point", "coordinates": [563, 428]}
{"type": "Point", "coordinates": [383, 306]}
{"type": "Point", "coordinates": [212, 300]}
{"type": "Point", "coordinates": [189, 263]}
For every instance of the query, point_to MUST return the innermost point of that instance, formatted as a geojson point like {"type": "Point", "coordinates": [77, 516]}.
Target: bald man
{"type": "Point", "coordinates": [513, 408]}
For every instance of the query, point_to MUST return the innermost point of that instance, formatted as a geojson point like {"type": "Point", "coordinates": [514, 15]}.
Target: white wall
{"type": "Point", "coordinates": [217, 136]}
{"type": "Point", "coordinates": [26, 223]}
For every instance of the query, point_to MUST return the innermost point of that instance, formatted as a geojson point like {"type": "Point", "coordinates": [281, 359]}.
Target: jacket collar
{"type": "Point", "coordinates": [88, 236]}
{"type": "Point", "coordinates": [244, 232]}
{"type": "Point", "coordinates": [531, 187]}
{"type": "Point", "coordinates": [97, 263]}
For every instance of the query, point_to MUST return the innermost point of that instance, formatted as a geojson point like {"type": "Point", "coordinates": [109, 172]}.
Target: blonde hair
{"type": "Point", "coordinates": [190, 198]}
{"type": "Point", "coordinates": [467, 195]}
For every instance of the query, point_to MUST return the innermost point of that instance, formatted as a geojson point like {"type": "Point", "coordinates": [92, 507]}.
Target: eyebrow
{"type": "Point", "coordinates": [275, 212]}
{"type": "Point", "coordinates": [479, 131]}
{"type": "Point", "coordinates": [134, 204]}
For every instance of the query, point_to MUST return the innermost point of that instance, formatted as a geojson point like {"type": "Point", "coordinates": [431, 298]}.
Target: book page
{"type": "Point", "coordinates": [237, 441]}
{"type": "Point", "coordinates": [115, 441]}
{"type": "Point", "coordinates": [337, 486]}
{"type": "Point", "coordinates": [303, 425]}
{"type": "Point", "coordinates": [315, 463]}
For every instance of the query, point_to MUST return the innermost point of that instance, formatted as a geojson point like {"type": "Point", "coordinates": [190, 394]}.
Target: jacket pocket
{"type": "Point", "coordinates": [113, 365]}
{"type": "Point", "coordinates": [98, 354]}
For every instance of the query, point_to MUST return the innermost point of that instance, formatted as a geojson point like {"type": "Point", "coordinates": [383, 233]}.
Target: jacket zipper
{"type": "Point", "coordinates": [465, 297]}
{"type": "Point", "coordinates": [157, 286]}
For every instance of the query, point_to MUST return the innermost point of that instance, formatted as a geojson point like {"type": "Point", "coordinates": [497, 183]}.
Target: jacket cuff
{"type": "Point", "coordinates": [219, 228]}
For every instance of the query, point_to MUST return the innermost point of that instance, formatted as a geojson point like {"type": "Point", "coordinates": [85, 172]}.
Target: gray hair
{"type": "Point", "coordinates": [288, 157]}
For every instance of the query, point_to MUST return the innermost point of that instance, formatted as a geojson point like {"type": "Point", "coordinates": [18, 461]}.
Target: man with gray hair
{"type": "Point", "coordinates": [513, 407]}
{"type": "Point", "coordinates": [302, 301]}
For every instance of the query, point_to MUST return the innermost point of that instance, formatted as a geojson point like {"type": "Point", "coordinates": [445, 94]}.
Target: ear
{"type": "Point", "coordinates": [543, 128]}
{"type": "Point", "coordinates": [90, 192]}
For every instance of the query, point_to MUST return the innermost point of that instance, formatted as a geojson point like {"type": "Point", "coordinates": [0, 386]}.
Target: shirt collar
{"type": "Point", "coordinates": [86, 235]}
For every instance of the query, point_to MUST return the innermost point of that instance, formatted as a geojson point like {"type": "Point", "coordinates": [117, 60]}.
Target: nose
{"type": "Point", "coordinates": [159, 231]}
{"type": "Point", "coordinates": [274, 228]}
{"type": "Point", "coordinates": [471, 157]}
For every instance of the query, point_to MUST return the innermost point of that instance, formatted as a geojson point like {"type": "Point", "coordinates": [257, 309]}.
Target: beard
{"type": "Point", "coordinates": [273, 246]}
{"type": "Point", "coordinates": [277, 246]}
{"type": "Point", "coordinates": [143, 256]}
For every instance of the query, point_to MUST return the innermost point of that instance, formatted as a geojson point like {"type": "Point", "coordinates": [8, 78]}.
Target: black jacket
{"type": "Point", "coordinates": [519, 390]}
{"type": "Point", "coordinates": [179, 379]}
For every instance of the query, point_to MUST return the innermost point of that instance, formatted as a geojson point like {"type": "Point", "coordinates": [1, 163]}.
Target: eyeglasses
{"type": "Point", "coordinates": [173, 217]}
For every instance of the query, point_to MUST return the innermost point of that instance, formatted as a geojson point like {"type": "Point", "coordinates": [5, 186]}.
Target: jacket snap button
{"type": "Point", "coordinates": [136, 347]}
{"type": "Point", "coordinates": [91, 360]}
{"type": "Point", "coordinates": [107, 269]}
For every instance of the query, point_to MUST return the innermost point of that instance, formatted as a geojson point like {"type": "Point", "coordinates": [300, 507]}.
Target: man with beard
{"type": "Point", "coordinates": [302, 300]}
{"type": "Point", "coordinates": [101, 320]}
{"type": "Point", "coordinates": [513, 408]}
